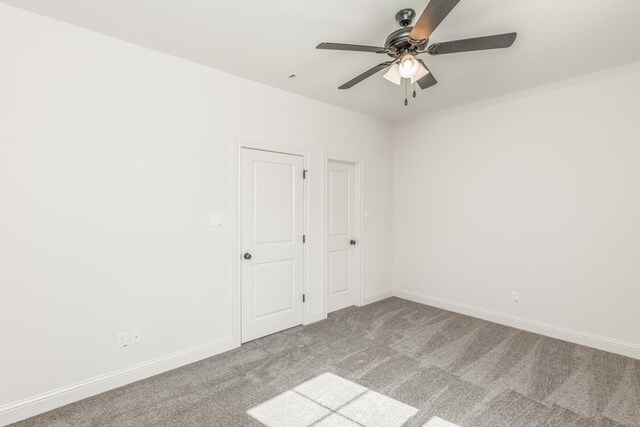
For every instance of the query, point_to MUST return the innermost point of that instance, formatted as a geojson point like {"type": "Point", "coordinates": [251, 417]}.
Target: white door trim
{"type": "Point", "coordinates": [359, 226]}
{"type": "Point", "coordinates": [236, 253]}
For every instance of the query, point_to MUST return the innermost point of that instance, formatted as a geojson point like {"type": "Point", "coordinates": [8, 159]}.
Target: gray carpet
{"type": "Point", "coordinates": [464, 370]}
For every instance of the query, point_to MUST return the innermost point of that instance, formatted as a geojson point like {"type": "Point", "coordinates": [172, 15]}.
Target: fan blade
{"type": "Point", "coordinates": [433, 15]}
{"type": "Point", "coordinates": [499, 41]}
{"type": "Point", "coordinates": [351, 47]}
{"type": "Point", "coordinates": [428, 80]}
{"type": "Point", "coordinates": [365, 75]}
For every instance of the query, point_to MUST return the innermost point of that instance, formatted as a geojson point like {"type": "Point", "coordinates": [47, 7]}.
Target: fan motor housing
{"type": "Point", "coordinates": [398, 41]}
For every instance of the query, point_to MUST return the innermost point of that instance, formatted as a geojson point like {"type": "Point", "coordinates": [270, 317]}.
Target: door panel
{"type": "Point", "coordinates": [339, 201]}
{"type": "Point", "coordinates": [341, 256]}
{"type": "Point", "coordinates": [338, 272]}
{"type": "Point", "coordinates": [271, 232]}
{"type": "Point", "coordinates": [273, 288]}
{"type": "Point", "coordinates": [273, 202]}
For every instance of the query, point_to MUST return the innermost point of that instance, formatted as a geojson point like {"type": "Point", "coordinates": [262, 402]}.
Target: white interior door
{"type": "Point", "coordinates": [271, 233]}
{"type": "Point", "coordinates": [341, 239]}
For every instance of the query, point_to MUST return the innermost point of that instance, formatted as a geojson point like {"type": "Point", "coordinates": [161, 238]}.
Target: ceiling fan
{"type": "Point", "coordinates": [405, 44]}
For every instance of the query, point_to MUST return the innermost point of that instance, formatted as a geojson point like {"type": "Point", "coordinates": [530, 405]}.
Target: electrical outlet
{"type": "Point", "coordinates": [515, 297]}
{"type": "Point", "coordinates": [136, 336]}
{"type": "Point", "coordinates": [123, 340]}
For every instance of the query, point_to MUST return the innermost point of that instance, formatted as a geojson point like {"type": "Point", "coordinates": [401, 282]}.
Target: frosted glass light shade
{"type": "Point", "coordinates": [393, 75]}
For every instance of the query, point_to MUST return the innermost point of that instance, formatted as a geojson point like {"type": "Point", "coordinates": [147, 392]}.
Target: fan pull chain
{"type": "Point", "coordinates": [406, 101]}
{"type": "Point", "coordinates": [414, 88]}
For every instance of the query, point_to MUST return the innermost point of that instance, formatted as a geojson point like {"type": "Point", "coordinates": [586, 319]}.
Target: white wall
{"type": "Point", "coordinates": [112, 158]}
{"type": "Point", "coordinates": [537, 193]}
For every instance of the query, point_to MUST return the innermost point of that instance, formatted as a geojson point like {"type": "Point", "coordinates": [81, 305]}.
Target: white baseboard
{"type": "Point", "coordinates": [370, 299]}
{"type": "Point", "coordinates": [38, 404]}
{"type": "Point", "coordinates": [553, 331]}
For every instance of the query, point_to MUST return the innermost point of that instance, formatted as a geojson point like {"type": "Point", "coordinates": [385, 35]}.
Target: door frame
{"type": "Point", "coordinates": [236, 249]}
{"type": "Point", "coordinates": [359, 219]}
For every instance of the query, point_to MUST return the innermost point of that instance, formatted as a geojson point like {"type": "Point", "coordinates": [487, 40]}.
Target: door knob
{"type": "Point", "coordinates": [247, 255]}
{"type": "Point", "coordinates": [353, 242]}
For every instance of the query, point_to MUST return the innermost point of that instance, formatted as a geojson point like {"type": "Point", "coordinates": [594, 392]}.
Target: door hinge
{"type": "Point", "coordinates": [304, 238]}
{"type": "Point", "coordinates": [304, 174]}
{"type": "Point", "coordinates": [304, 298]}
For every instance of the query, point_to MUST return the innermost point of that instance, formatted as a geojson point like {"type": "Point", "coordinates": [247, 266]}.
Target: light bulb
{"type": "Point", "coordinates": [409, 66]}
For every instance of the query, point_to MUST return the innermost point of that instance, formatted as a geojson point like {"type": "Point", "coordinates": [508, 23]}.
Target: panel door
{"type": "Point", "coordinates": [271, 234]}
{"type": "Point", "coordinates": [341, 239]}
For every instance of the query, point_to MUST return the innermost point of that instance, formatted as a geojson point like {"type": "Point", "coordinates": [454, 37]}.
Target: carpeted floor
{"type": "Point", "coordinates": [467, 371]}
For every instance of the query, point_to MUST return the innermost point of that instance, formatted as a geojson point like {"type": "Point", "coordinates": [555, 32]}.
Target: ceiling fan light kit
{"type": "Point", "coordinates": [405, 44]}
{"type": "Point", "coordinates": [393, 74]}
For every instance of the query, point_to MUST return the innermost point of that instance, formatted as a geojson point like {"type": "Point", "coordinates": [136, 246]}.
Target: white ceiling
{"type": "Point", "coordinates": [266, 41]}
